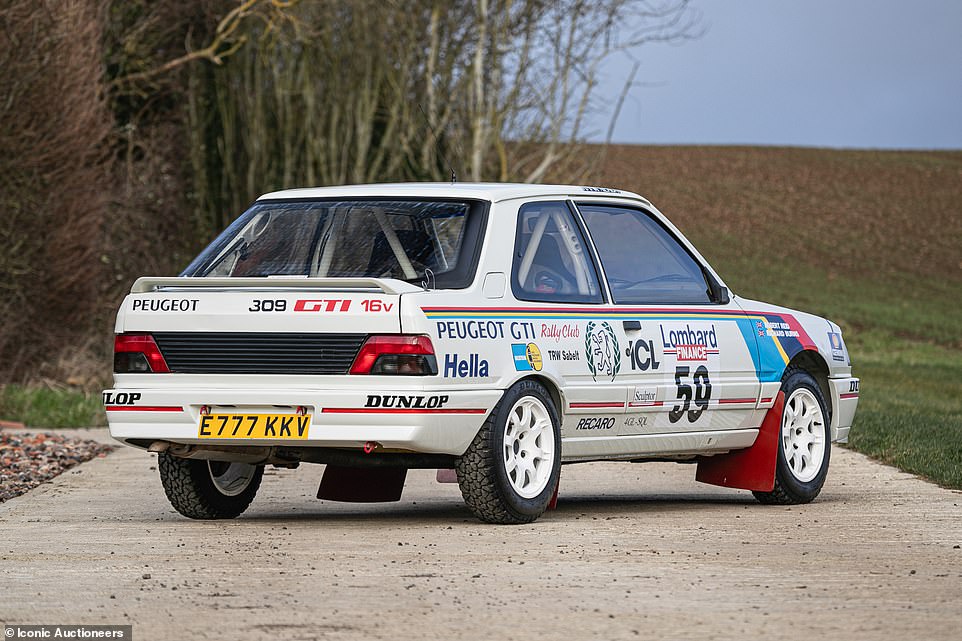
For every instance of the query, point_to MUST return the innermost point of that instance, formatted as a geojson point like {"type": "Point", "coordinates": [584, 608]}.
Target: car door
{"type": "Point", "coordinates": [555, 277]}
{"type": "Point", "coordinates": [689, 352]}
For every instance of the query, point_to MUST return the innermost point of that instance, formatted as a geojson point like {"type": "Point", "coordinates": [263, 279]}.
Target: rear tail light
{"type": "Point", "coordinates": [137, 354]}
{"type": "Point", "coordinates": [396, 355]}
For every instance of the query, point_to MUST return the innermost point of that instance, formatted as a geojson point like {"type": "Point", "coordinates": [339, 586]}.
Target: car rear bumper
{"type": "Point", "coordinates": [435, 422]}
{"type": "Point", "coordinates": [845, 393]}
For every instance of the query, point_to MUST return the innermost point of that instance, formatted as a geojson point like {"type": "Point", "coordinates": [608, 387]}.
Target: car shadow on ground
{"type": "Point", "coordinates": [446, 513]}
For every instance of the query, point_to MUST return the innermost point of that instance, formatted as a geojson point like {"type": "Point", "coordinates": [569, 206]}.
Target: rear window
{"type": "Point", "coordinates": [419, 241]}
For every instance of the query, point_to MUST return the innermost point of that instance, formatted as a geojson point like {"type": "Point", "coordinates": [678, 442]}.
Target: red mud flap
{"type": "Point", "coordinates": [752, 468]}
{"type": "Point", "coordinates": [362, 484]}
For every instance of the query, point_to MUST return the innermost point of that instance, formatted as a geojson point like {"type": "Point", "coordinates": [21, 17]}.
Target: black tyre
{"type": "Point", "coordinates": [804, 443]}
{"type": "Point", "coordinates": [201, 489]}
{"type": "Point", "coordinates": [510, 471]}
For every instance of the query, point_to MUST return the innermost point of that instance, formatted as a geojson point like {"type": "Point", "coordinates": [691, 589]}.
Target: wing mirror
{"type": "Point", "coordinates": [718, 293]}
{"type": "Point", "coordinates": [723, 296]}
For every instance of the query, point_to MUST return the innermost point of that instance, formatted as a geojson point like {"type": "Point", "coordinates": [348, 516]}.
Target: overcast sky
{"type": "Point", "coordinates": [842, 73]}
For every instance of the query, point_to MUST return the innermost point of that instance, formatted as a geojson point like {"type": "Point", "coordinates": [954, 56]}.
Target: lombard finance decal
{"type": "Point", "coordinates": [602, 351]}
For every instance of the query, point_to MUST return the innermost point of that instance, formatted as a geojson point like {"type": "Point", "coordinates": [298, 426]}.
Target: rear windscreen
{"type": "Point", "coordinates": [413, 240]}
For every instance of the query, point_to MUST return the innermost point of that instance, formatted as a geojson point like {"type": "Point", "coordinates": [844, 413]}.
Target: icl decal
{"type": "Point", "coordinates": [642, 355]}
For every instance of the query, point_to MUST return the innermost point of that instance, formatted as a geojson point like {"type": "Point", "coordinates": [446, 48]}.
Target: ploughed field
{"type": "Point", "coordinates": [870, 239]}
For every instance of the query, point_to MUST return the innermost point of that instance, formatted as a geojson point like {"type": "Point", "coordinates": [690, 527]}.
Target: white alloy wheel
{"type": "Point", "coordinates": [803, 434]}
{"type": "Point", "coordinates": [231, 479]}
{"type": "Point", "coordinates": [529, 445]}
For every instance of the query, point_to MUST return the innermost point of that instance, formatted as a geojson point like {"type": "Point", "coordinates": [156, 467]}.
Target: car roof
{"type": "Point", "coordinates": [493, 192]}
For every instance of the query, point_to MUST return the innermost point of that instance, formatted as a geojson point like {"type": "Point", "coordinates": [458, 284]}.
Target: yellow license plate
{"type": "Point", "coordinates": [286, 426]}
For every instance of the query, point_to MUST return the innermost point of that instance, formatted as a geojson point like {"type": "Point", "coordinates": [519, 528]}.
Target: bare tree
{"type": "Point", "coordinates": [359, 91]}
{"type": "Point", "coordinates": [54, 126]}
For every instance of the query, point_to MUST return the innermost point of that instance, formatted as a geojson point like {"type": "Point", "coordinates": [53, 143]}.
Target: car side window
{"type": "Point", "coordinates": [551, 262]}
{"type": "Point", "coordinates": [643, 262]}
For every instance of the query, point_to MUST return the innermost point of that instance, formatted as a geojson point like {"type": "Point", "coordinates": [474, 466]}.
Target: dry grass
{"type": "Point", "coordinates": [871, 214]}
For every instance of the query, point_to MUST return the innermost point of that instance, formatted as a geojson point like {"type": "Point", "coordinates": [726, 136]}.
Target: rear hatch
{"type": "Point", "coordinates": [262, 325]}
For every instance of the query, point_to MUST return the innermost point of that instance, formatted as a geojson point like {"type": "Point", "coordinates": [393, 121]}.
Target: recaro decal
{"type": "Point", "coordinates": [596, 423]}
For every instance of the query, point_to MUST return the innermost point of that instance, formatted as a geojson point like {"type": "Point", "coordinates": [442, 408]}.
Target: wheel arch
{"type": "Point", "coordinates": [815, 364]}
{"type": "Point", "coordinates": [554, 390]}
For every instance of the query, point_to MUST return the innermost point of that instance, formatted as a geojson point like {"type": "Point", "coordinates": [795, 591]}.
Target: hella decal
{"type": "Point", "coordinates": [471, 367]}
{"type": "Point", "coordinates": [164, 305]}
{"type": "Point", "coordinates": [413, 402]}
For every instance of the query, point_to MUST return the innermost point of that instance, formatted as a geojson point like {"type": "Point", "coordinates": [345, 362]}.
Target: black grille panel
{"type": "Point", "coordinates": [258, 353]}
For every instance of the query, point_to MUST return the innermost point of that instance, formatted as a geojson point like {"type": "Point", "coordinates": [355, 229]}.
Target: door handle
{"type": "Point", "coordinates": [631, 325]}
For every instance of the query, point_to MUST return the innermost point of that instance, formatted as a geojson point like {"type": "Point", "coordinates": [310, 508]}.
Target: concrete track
{"type": "Point", "coordinates": [633, 551]}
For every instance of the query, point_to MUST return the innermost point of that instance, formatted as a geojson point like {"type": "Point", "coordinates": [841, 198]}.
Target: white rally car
{"type": "Point", "coordinates": [500, 330]}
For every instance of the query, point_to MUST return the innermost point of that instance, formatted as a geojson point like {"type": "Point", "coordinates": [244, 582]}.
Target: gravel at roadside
{"type": "Point", "coordinates": [29, 459]}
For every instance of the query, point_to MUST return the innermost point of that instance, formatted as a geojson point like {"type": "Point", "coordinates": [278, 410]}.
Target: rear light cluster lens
{"type": "Point", "coordinates": [137, 354]}
{"type": "Point", "coordinates": [396, 355]}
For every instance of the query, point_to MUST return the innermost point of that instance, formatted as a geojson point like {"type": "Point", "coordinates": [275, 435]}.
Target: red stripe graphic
{"type": "Point", "coordinates": [143, 408]}
{"type": "Point", "coordinates": [621, 311]}
{"type": "Point", "coordinates": [726, 401]}
{"type": "Point", "coordinates": [766, 400]}
{"type": "Point", "coordinates": [855, 395]}
{"type": "Point", "coordinates": [649, 404]}
{"type": "Point", "coordinates": [396, 410]}
{"type": "Point", "coordinates": [591, 405]}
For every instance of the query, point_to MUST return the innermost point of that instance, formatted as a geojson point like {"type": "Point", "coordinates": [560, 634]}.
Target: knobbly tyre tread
{"type": "Point", "coordinates": [783, 493]}
{"type": "Point", "coordinates": [477, 476]}
{"type": "Point", "coordinates": [476, 479]}
{"type": "Point", "coordinates": [192, 493]}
